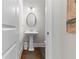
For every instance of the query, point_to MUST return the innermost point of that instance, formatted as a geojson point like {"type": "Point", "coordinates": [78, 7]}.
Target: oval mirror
{"type": "Point", "coordinates": [31, 20]}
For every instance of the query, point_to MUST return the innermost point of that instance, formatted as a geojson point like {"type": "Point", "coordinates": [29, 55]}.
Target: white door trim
{"type": "Point", "coordinates": [48, 28]}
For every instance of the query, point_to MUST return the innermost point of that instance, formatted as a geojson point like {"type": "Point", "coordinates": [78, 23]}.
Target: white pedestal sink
{"type": "Point", "coordinates": [31, 34]}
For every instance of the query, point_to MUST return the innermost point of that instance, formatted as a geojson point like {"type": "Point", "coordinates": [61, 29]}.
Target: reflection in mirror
{"type": "Point", "coordinates": [31, 20]}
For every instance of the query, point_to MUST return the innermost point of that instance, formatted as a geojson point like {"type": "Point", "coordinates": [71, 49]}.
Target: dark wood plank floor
{"type": "Point", "coordinates": [32, 55]}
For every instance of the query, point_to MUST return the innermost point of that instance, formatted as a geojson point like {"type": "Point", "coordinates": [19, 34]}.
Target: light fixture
{"type": "Point", "coordinates": [31, 9]}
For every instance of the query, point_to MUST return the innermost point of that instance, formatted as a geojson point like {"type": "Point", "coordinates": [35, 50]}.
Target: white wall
{"type": "Point", "coordinates": [63, 43]}
{"type": "Point", "coordinates": [68, 40]}
{"type": "Point", "coordinates": [55, 12]}
{"type": "Point", "coordinates": [58, 18]}
{"type": "Point", "coordinates": [69, 46]}
{"type": "Point", "coordinates": [21, 29]}
{"type": "Point", "coordinates": [39, 12]}
{"type": "Point", "coordinates": [10, 29]}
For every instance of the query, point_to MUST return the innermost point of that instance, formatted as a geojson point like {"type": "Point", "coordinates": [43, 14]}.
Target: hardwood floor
{"type": "Point", "coordinates": [32, 55]}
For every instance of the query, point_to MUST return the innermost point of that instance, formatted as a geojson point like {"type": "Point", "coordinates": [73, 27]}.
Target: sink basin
{"type": "Point", "coordinates": [31, 34]}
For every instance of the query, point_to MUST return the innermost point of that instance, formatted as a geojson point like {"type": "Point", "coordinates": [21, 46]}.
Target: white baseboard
{"type": "Point", "coordinates": [39, 44]}
{"type": "Point", "coordinates": [20, 53]}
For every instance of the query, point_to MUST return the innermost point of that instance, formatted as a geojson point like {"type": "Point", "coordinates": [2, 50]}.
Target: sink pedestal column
{"type": "Point", "coordinates": [31, 47]}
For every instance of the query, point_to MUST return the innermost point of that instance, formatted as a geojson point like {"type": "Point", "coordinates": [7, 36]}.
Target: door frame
{"type": "Point", "coordinates": [48, 29]}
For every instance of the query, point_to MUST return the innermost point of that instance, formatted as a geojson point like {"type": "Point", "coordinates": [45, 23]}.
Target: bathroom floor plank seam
{"type": "Point", "coordinates": [31, 55]}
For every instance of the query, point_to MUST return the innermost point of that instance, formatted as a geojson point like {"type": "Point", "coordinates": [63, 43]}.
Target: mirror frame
{"type": "Point", "coordinates": [27, 20]}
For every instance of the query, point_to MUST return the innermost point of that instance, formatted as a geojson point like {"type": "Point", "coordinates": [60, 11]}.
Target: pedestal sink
{"type": "Point", "coordinates": [31, 35]}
